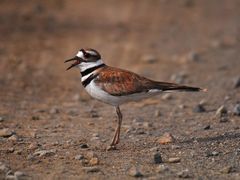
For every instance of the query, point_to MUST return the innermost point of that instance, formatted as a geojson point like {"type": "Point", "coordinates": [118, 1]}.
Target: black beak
{"type": "Point", "coordinates": [77, 60]}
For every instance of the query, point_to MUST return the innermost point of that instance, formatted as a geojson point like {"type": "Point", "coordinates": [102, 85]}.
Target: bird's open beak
{"type": "Point", "coordinates": [77, 60]}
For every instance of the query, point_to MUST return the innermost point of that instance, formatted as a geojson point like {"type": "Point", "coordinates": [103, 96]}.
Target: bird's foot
{"type": "Point", "coordinates": [111, 147]}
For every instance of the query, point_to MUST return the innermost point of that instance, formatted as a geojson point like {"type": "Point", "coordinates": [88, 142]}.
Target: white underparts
{"type": "Point", "coordinates": [96, 92]}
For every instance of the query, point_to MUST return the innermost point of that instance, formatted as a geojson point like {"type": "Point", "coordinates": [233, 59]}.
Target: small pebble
{"type": "Point", "coordinates": [236, 82]}
{"type": "Point", "coordinates": [199, 108]}
{"type": "Point", "coordinates": [10, 150]}
{"type": "Point", "coordinates": [84, 146]}
{"type": "Point", "coordinates": [10, 177]}
{"type": "Point", "coordinates": [91, 154]}
{"type": "Point", "coordinates": [192, 57]}
{"type": "Point", "coordinates": [73, 112]}
{"type": "Point", "coordinates": [45, 153]}
{"type": "Point", "coordinates": [94, 114]}
{"type": "Point", "coordinates": [1, 119]}
{"type": "Point", "coordinates": [157, 158]}
{"type": "Point", "coordinates": [166, 138]}
{"type": "Point", "coordinates": [134, 172]}
{"type": "Point", "coordinates": [167, 96]}
{"type": "Point", "coordinates": [175, 147]}
{"type": "Point", "coordinates": [18, 152]}
{"type": "Point", "coordinates": [221, 111]}
{"type": "Point", "coordinates": [227, 170]}
{"type": "Point", "coordinates": [95, 135]}
{"type": "Point", "coordinates": [162, 168]}
{"type": "Point", "coordinates": [207, 127]}
{"type": "Point", "coordinates": [91, 169]}
{"type": "Point", "coordinates": [54, 110]}
{"type": "Point", "coordinates": [30, 157]}
{"type": "Point", "coordinates": [174, 160]}
{"type": "Point", "coordinates": [35, 118]}
{"type": "Point", "coordinates": [236, 110]}
{"type": "Point", "coordinates": [183, 174]}
{"type": "Point", "coordinates": [182, 106]}
{"type": "Point", "coordinates": [147, 124]}
{"type": "Point", "coordinates": [33, 146]}
{"type": "Point", "coordinates": [213, 153]}
{"type": "Point", "coordinates": [154, 149]}
{"type": "Point", "coordinates": [157, 113]}
{"type": "Point", "coordinates": [149, 59]}
{"type": "Point", "coordinates": [79, 157]}
{"type": "Point", "coordinates": [93, 161]}
{"type": "Point", "coordinates": [5, 132]}
{"type": "Point", "coordinates": [3, 168]}
{"type": "Point", "coordinates": [179, 78]}
{"type": "Point", "coordinates": [19, 174]}
{"type": "Point", "coordinates": [223, 119]}
{"type": "Point", "coordinates": [13, 138]}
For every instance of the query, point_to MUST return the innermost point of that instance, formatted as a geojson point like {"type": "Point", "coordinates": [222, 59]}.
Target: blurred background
{"type": "Point", "coordinates": [184, 41]}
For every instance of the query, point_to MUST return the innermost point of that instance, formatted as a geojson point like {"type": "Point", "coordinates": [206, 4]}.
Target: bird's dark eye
{"type": "Point", "coordinates": [86, 55]}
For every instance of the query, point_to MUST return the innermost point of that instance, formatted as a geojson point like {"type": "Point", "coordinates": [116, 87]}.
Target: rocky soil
{"type": "Point", "coordinates": [51, 129]}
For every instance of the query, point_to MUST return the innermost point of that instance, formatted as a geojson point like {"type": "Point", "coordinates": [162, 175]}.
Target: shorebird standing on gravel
{"type": "Point", "coordinates": [116, 86]}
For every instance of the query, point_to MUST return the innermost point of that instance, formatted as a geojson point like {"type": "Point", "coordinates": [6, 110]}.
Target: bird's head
{"type": "Point", "coordinates": [85, 58]}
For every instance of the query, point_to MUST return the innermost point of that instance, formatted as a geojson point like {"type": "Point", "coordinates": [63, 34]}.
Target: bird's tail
{"type": "Point", "coordinates": [163, 86]}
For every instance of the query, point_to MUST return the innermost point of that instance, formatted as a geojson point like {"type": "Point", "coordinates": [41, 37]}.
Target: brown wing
{"type": "Point", "coordinates": [120, 82]}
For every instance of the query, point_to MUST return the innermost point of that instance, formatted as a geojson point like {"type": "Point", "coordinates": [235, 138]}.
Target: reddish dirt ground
{"type": "Point", "coordinates": [46, 108]}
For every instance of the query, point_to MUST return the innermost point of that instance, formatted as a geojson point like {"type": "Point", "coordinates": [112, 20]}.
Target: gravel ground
{"type": "Point", "coordinates": [51, 129]}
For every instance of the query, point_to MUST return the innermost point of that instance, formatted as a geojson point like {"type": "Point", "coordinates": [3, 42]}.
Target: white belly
{"type": "Point", "coordinates": [103, 96]}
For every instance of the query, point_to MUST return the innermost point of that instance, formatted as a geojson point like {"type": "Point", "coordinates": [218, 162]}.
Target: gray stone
{"type": "Point", "coordinates": [149, 59]}
{"type": "Point", "coordinates": [174, 160]}
{"type": "Point", "coordinates": [4, 168]}
{"type": "Point", "coordinates": [207, 127]}
{"type": "Point", "coordinates": [79, 157]}
{"type": "Point", "coordinates": [1, 119]}
{"type": "Point", "coordinates": [236, 82]}
{"type": "Point", "coordinates": [91, 169]}
{"type": "Point", "coordinates": [184, 174]}
{"type": "Point", "coordinates": [134, 172]}
{"type": "Point", "coordinates": [14, 137]}
{"type": "Point", "coordinates": [223, 119]}
{"type": "Point", "coordinates": [213, 153]}
{"type": "Point", "coordinates": [162, 168]}
{"type": "Point", "coordinates": [179, 78]}
{"type": "Point", "coordinates": [236, 110]}
{"type": "Point", "coordinates": [19, 174]}
{"type": "Point", "coordinates": [11, 177]}
{"type": "Point", "coordinates": [167, 96]}
{"type": "Point", "coordinates": [94, 114]}
{"type": "Point", "coordinates": [84, 146]}
{"type": "Point", "coordinates": [54, 110]}
{"type": "Point", "coordinates": [157, 113]}
{"type": "Point", "coordinates": [5, 132]}
{"type": "Point", "coordinates": [199, 108]}
{"type": "Point", "coordinates": [157, 158]}
{"type": "Point", "coordinates": [192, 56]}
{"type": "Point", "coordinates": [45, 153]}
{"type": "Point", "coordinates": [227, 170]}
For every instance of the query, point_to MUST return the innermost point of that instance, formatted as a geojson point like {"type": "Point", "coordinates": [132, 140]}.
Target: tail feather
{"type": "Point", "coordinates": [177, 87]}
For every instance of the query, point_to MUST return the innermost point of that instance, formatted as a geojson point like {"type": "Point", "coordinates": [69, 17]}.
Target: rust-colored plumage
{"type": "Point", "coordinates": [119, 82]}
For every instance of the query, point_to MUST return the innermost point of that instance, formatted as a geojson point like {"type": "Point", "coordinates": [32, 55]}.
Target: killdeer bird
{"type": "Point", "coordinates": [116, 86]}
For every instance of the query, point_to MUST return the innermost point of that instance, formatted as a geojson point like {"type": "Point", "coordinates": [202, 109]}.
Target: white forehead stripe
{"type": "Point", "coordinates": [92, 53]}
{"type": "Point", "coordinates": [80, 54]}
